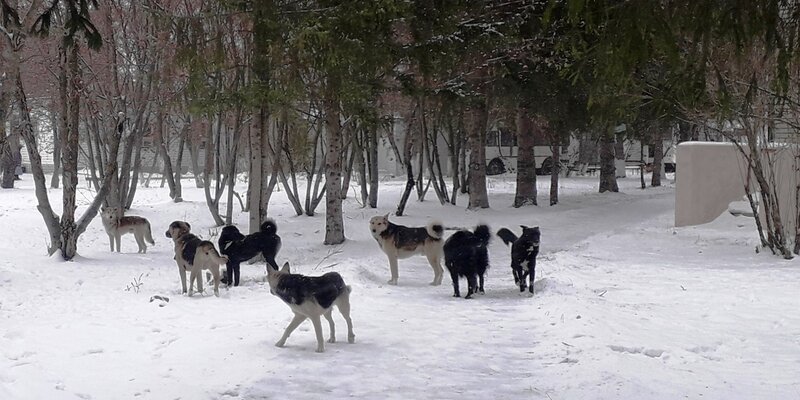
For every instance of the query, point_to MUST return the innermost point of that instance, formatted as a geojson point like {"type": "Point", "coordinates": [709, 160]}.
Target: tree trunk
{"type": "Point", "coordinates": [255, 179]}
{"type": "Point", "coordinates": [454, 146]}
{"type": "Point", "coordinates": [526, 192]}
{"type": "Point", "coordinates": [361, 164]}
{"type": "Point", "coordinates": [194, 156]}
{"type": "Point", "coordinates": [608, 177]}
{"type": "Point", "coordinates": [69, 159]}
{"type": "Point", "coordinates": [374, 178]}
{"type": "Point", "coordinates": [401, 207]}
{"type": "Point", "coordinates": [137, 166]}
{"type": "Point", "coordinates": [179, 170]}
{"type": "Point", "coordinates": [334, 221]}
{"type": "Point", "coordinates": [556, 156]}
{"type": "Point", "coordinates": [6, 155]}
{"type": "Point", "coordinates": [9, 146]}
{"type": "Point", "coordinates": [55, 182]}
{"type": "Point", "coordinates": [164, 152]}
{"type": "Point", "coordinates": [462, 165]}
{"type": "Point", "coordinates": [478, 197]}
{"type": "Point", "coordinates": [658, 157]}
{"type": "Point", "coordinates": [211, 169]}
{"type": "Point", "coordinates": [797, 205]}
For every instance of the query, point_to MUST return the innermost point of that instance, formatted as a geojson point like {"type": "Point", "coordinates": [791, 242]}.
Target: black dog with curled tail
{"type": "Point", "coordinates": [524, 250]}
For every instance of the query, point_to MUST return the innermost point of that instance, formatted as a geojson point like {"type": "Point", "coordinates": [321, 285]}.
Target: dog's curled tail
{"type": "Point", "coordinates": [269, 227]}
{"type": "Point", "coordinates": [435, 229]}
{"type": "Point", "coordinates": [483, 234]}
{"type": "Point", "coordinates": [507, 236]}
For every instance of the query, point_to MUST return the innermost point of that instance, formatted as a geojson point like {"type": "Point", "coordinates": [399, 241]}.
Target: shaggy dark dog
{"type": "Point", "coordinates": [240, 248]}
{"type": "Point", "coordinates": [465, 254]}
{"type": "Point", "coordinates": [524, 250]}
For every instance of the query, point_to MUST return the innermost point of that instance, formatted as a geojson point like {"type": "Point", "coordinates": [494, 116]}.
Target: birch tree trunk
{"type": "Point", "coordinates": [55, 182]}
{"type": "Point", "coordinates": [256, 180]}
{"type": "Point", "coordinates": [69, 158]}
{"type": "Point", "coordinates": [334, 221]}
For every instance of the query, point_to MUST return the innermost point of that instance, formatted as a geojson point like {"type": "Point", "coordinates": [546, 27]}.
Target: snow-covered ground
{"type": "Point", "coordinates": [627, 306]}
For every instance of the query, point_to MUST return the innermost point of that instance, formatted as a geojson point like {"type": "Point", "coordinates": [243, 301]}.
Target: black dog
{"type": "Point", "coordinates": [524, 250]}
{"type": "Point", "coordinates": [241, 248]}
{"type": "Point", "coordinates": [465, 255]}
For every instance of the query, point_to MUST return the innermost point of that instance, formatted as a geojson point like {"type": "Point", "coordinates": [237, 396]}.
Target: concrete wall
{"type": "Point", "coordinates": [711, 175]}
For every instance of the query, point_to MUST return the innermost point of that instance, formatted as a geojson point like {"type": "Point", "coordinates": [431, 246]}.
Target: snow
{"type": "Point", "coordinates": [626, 306]}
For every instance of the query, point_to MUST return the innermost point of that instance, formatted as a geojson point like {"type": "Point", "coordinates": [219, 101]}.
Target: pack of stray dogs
{"type": "Point", "coordinates": [465, 255]}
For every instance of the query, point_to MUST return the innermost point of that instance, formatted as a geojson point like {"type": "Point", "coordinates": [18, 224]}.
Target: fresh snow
{"type": "Point", "coordinates": [627, 307]}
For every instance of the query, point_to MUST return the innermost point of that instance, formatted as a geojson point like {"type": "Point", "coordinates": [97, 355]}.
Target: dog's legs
{"type": "Point", "coordinates": [532, 274]}
{"type": "Point", "coordinates": [215, 273]}
{"type": "Point", "coordinates": [318, 331]}
{"type": "Point", "coordinates": [192, 276]}
{"type": "Point", "coordinates": [111, 241]}
{"type": "Point", "coordinates": [343, 302]}
{"type": "Point", "coordinates": [522, 283]}
{"type": "Point", "coordinates": [514, 269]}
{"type": "Point", "coordinates": [182, 272]}
{"type": "Point", "coordinates": [438, 271]}
{"type": "Point", "coordinates": [480, 283]}
{"type": "Point", "coordinates": [117, 240]}
{"type": "Point", "coordinates": [392, 268]}
{"type": "Point", "coordinates": [140, 241]}
{"type": "Point", "coordinates": [197, 273]}
{"type": "Point", "coordinates": [296, 321]}
{"type": "Point", "coordinates": [471, 284]}
{"type": "Point", "coordinates": [329, 317]}
{"type": "Point", "coordinates": [454, 276]}
{"type": "Point", "coordinates": [235, 274]}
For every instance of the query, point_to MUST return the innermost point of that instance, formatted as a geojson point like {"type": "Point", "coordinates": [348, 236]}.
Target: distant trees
{"type": "Point", "coordinates": [285, 91]}
{"type": "Point", "coordinates": [720, 66]}
{"type": "Point", "coordinates": [73, 18]}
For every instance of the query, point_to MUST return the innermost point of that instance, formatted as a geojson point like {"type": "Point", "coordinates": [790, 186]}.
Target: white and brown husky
{"type": "Point", "coordinates": [398, 241]}
{"type": "Point", "coordinates": [311, 297]}
{"type": "Point", "coordinates": [117, 224]}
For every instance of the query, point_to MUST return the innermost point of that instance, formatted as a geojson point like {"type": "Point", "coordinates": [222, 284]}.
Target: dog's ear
{"type": "Point", "coordinates": [386, 217]}
{"type": "Point", "coordinates": [188, 227]}
{"type": "Point", "coordinates": [523, 227]}
{"type": "Point", "coordinates": [285, 268]}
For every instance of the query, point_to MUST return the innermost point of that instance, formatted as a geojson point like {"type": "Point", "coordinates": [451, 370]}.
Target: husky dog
{"type": "Point", "coordinates": [398, 241]}
{"type": "Point", "coordinates": [465, 254]}
{"type": "Point", "coordinates": [311, 297]}
{"type": "Point", "coordinates": [524, 250]}
{"type": "Point", "coordinates": [194, 255]}
{"type": "Point", "coordinates": [116, 225]}
{"type": "Point", "coordinates": [241, 248]}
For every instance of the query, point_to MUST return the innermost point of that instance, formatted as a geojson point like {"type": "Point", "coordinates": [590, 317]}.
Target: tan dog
{"type": "Point", "coordinates": [311, 297]}
{"type": "Point", "coordinates": [194, 255]}
{"type": "Point", "coordinates": [117, 224]}
{"type": "Point", "coordinates": [398, 241]}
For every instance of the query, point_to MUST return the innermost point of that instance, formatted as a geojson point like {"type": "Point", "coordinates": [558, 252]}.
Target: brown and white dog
{"type": "Point", "coordinates": [117, 224]}
{"type": "Point", "coordinates": [398, 241]}
{"type": "Point", "coordinates": [194, 255]}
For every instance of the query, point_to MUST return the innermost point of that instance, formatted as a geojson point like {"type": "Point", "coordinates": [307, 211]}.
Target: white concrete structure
{"type": "Point", "coordinates": [711, 175]}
